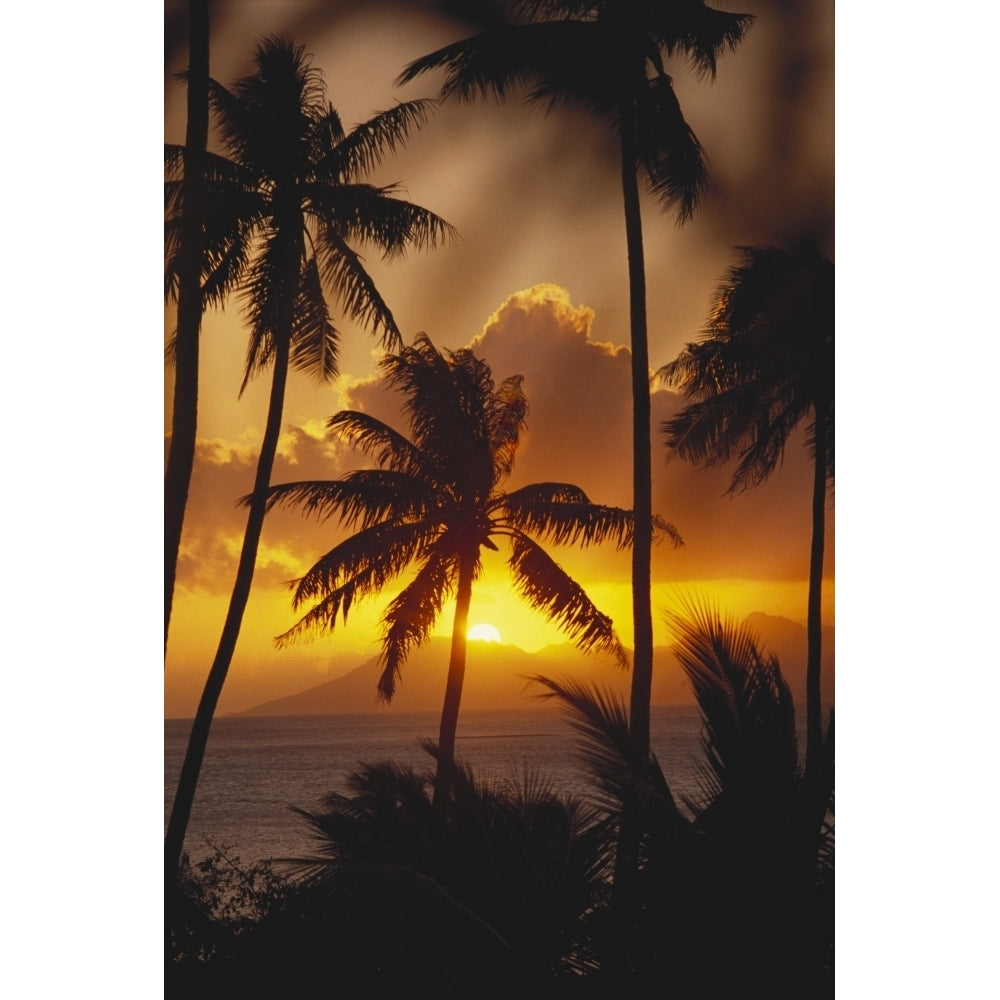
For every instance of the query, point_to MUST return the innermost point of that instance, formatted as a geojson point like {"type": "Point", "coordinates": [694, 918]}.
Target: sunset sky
{"type": "Point", "coordinates": [916, 214]}
{"type": "Point", "coordinates": [536, 285]}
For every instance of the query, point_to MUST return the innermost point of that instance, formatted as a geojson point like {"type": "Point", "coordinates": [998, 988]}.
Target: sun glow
{"type": "Point", "coordinates": [484, 633]}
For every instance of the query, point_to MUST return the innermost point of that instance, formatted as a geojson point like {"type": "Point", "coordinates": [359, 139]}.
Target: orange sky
{"type": "Point", "coordinates": [537, 285]}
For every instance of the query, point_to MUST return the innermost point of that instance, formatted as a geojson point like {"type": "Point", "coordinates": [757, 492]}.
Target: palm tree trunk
{"type": "Point", "coordinates": [814, 710]}
{"type": "Point", "coordinates": [642, 489]}
{"type": "Point", "coordinates": [453, 688]}
{"type": "Point", "coordinates": [186, 786]}
{"type": "Point", "coordinates": [180, 460]}
{"type": "Point", "coordinates": [624, 898]}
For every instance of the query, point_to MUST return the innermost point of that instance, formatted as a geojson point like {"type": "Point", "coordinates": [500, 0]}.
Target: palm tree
{"type": "Point", "coordinates": [608, 55]}
{"type": "Point", "coordinates": [530, 864]}
{"type": "Point", "coordinates": [180, 460]}
{"type": "Point", "coordinates": [435, 500]}
{"type": "Point", "coordinates": [764, 365]}
{"type": "Point", "coordinates": [284, 209]}
{"type": "Point", "coordinates": [749, 876]}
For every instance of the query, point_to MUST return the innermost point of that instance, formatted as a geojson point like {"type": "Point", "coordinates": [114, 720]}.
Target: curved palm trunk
{"type": "Point", "coordinates": [642, 489]}
{"type": "Point", "coordinates": [453, 688]}
{"type": "Point", "coordinates": [180, 460]}
{"type": "Point", "coordinates": [814, 711]}
{"type": "Point", "coordinates": [186, 786]}
{"type": "Point", "coordinates": [181, 812]}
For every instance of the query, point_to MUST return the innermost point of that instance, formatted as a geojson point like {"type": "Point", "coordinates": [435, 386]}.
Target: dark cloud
{"type": "Point", "coordinates": [537, 197]}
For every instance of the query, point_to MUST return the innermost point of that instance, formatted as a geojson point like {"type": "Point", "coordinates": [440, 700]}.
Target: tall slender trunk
{"type": "Point", "coordinates": [180, 460]}
{"type": "Point", "coordinates": [186, 786]}
{"type": "Point", "coordinates": [814, 710]}
{"type": "Point", "coordinates": [624, 898]}
{"type": "Point", "coordinates": [642, 489]}
{"type": "Point", "coordinates": [445, 774]}
{"type": "Point", "coordinates": [188, 783]}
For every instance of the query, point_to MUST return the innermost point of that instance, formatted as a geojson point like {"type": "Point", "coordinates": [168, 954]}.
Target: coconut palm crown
{"type": "Point", "coordinates": [435, 500]}
{"type": "Point", "coordinates": [285, 213]}
{"type": "Point", "coordinates": [609, 56]}
{"type": "Point", "coordinates": [764, 366]}
{"type": "Point", "coordinates": [288, 208]}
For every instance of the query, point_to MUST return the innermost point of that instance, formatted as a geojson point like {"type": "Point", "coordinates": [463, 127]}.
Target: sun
{"type": "Point", "coordinates": [484, 633]}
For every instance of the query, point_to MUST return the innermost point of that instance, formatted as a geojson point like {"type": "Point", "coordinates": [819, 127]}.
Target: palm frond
{"type": "Point", "coordinates": [358, 567]}
{"type": "Point", "coordinates": [446, 403]}
{"type": "Point", "coordinates": [532, 863]}
{"type": "Point", "coordinates": [553, 62]}
{"type": "Point", "coordinates": [386, 815]}
{"type": "Point", "coordinates": [764, 364]}
{"type": "Point", "coordinates": [342, 269]}
{"type": "Point", "coordinates": [273, 110]}
{"type": "Point", "coordinates": [173, 160]}
{"type": "Point", "coordinates": [383, 443]}
{"type": "Point", "coordinates": [362, 498]}
{"type": "Point", "coordinates": [368, 144]}
{"type": "Point", "coordinates": [315, 340]}
{"type": "Point", "coordinates": [747, 711]}
{"type": "Point", "coordinates": [670, 154]}
{"type": "Point", "coordinates": [702, 32]}
{"type": "Point", "coordinates": [280, 137]}
{"type": "Point", "coordinates": [409, 618]}
{"type": "Point", "coordinates": [666, 528]}
{"type": "Point", "coordinates": [711, 432]}
{"type": "Point", "coordinates": [433, 502]}
{"type": "Point", "coordinates": [563, 515]}
{"type": "Point", "coordinates": [374, 216]}
{"type": "Point", "coordinates": [506, 414]}
{"type": "Point", "coordinates": [265, 290]}
{"type": "Point", "coordinates": [324, 137]}
{"type": "Point", "coordinates": [233, 210]}
{"type": "Point", "coordinates": [493, 63]}
{"type": "Point", "coordinates": [621, 769]}
{"type": "Point", "coordinates": [550, 9]}
{"type": "Point", "coordinates": [548, 588]}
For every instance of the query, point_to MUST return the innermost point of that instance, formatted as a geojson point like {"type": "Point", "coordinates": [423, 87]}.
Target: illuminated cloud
{"type": "Point", "coordinates": [579, 431]}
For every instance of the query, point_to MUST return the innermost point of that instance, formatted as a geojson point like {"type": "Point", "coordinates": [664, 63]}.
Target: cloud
{"type": "Point", "coordinates": [214, 520]}
{"type": "Point", "coordinates": [578, 391]}
{"type": "Point", "coordinates": [579, 431]}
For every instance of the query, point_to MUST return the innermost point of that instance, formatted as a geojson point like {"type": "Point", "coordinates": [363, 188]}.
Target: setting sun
{"type": "Point", "coordinates": [484, 633]}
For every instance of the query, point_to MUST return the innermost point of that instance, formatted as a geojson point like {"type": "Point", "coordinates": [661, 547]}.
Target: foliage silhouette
{"type": "Point", "coordinates": [764, 365]}
{"type": "Point", "coordinates": [608, 56]}
{"type": "Point", "coordinates": [436, 500]}
{"type": "Point", "coordinates": [184, 423]}
{"type": "Point", "coordinates": [738, 899]}
{"type": "Point", "coordinates": [525, 862]}
{"type": "Point", "coordinates": [216, 908]}
{"type": "Point", "coordinates": [285, 211]}
{"type": "Point", "coordinates": [505, 886]}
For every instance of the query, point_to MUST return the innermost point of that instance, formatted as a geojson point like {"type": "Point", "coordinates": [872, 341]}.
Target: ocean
{"type": "Point", "coordinates": [255, 768]}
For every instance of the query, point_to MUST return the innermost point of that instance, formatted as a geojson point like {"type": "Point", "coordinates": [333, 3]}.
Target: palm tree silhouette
{"type": "Point", "coordinates": [749, 874]}
{"type": "Point", "coordinates": [609, 57]}
{"type": "Point", "coordinates": [284, 211]}
{"type": "Point", "coordinates": [188, 234]}
{"type": "Point", "coordinates": [764, 365]}
{"type": "Point", "coordinates": [435, 500]}
{"type": "Point", "coordinates": [530, 864]}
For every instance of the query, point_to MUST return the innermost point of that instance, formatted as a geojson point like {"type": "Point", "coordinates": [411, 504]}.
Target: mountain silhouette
{"type": "Point", "coordinates": [495, 675]}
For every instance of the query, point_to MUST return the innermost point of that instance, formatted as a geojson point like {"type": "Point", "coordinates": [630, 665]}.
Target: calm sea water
{"type": "Point", "coordinates": [255, 768]}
